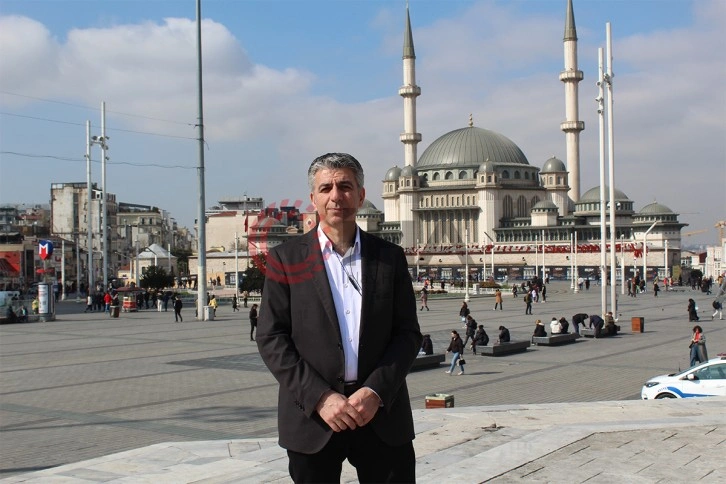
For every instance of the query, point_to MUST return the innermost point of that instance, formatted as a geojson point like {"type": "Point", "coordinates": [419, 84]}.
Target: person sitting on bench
{"type": "Point", "coordinates": [503, 335]}
{"type": "Point", "coordinates": [427, 346]}
{"type": "Point", "coordinates": [565, 325]}
{"type": "Point", "coordinates": [539, 329]}
{"type": "Point", "coordinates": [481, 338]}
{"type": "Point", "coordinates": [611, 329]}
{"type": "Point", "coordinates": [555, 326]}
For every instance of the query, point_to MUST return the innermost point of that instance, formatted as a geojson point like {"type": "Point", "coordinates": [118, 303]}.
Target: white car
{"type": "Point", "coordinates": [704, 380]}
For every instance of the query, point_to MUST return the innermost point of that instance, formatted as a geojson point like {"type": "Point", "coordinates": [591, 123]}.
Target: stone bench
{"type": "Point", "coordinates": [554, 339]}
{"type": "Point", "coordinates": [503, 348]}
{"type": "Point", "coordinates": [590, 333]}
{"type": "Point", "coordinates": [428, 361]}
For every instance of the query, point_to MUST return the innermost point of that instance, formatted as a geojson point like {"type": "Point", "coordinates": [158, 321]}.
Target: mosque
{"type": "Point", "coordinates": [472, 199]}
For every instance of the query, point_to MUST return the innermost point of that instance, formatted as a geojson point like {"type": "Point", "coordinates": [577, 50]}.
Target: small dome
{"type": "Point", "coordinates": [408, 171]}
{"type": "Point", "coordinates": [393, 174]}
{"type": "Point", "coordinates": [545, 205]}
{"type": "Point", "coordinates": [367, 205]}
{"type": "Point", "coordinates": [655, 208]}
{"type": "Point", "coordinates": [553, 165]}
{"type": "Point", "coordinates": [487, 167]}
{"type": "Point", "coordinates": [593, 195]}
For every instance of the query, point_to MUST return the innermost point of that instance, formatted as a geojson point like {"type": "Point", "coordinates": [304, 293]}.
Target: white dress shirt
{"type": "Point", "coordinates": [344, 275]}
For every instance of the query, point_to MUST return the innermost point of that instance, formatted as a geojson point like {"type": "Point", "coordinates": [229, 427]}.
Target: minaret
{"type": "Point", "coordinates": [408, 181]}
{"type": "Point", "coordinates": [409, 92]}
{"type": "Point", "coordinates": [571, 76]}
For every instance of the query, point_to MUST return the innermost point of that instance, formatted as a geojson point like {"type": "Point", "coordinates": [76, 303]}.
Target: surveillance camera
{"type": "Point", "coordinates": [599, 83]}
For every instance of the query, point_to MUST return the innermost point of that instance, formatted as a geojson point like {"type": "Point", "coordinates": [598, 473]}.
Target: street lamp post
{"type": "Point", "coordinates": [466, 264]}
{"type": "Point", "coordinates": [577, 282]}
{"type": "Point", "coordinates": [622, 265]}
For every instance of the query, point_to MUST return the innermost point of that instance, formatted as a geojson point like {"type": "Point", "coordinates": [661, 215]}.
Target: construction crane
{"type": "Point", "coordinates": [694, 232]}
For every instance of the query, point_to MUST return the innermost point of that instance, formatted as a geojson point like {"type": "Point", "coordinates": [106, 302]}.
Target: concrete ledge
{"type": "Point", "coordinates": [503, 348]}
{"type": "Point", "coordinates": [428, 361]}
{"type": "Point", "coordinates": [555, 339]}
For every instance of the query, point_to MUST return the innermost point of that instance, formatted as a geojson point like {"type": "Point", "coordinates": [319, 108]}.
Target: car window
{"type": "Point", "coordinates": [713, 372]}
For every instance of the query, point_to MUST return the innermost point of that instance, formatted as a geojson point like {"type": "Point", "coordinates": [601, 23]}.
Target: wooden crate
{"type": "Point", "coordinates": [637, 324]}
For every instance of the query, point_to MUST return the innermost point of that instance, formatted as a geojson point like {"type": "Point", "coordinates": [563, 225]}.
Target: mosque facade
{"type": "Point", "coordinates": [473, 199]}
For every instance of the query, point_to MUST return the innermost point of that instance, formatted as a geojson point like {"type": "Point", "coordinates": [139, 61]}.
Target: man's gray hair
{"type": "Point", "coordinates": [333, 161]}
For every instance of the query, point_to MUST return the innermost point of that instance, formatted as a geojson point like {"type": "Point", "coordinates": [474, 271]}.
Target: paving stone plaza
{"type": "Point", "coordinates": [78, 391]}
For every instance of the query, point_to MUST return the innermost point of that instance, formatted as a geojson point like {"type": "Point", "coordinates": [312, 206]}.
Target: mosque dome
{"type": "Point", "coordinates": [393, 174]}
{"type": "Point", "coordinates": [545, 205]}
{"type": "Point", "coordinates": [470, 147]}
{"type": "Point", "coordinates": [408, 171]}
{"type": "Point", "coordinates": [553, 165]}
{"type": "Point", "coordinates": [655, 208]}
{"type": "Point", "coordinates": [593, 195]}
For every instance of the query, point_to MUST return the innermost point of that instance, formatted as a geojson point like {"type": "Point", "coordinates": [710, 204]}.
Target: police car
{"type": "Point", "coordinates": [704, 380]}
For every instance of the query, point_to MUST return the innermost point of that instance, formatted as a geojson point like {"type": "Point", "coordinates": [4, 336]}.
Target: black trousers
{"type": "Point", "coordinates": [374, 460]}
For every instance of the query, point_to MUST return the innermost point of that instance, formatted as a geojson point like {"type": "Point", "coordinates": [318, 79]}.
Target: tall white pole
{"type": "Point", "coordinates": [645, 251]}
{"type": "Point", "coordinates": [63, 269]}
{"type": "Point", "coordinates": [611, 163]}
{"type": "Point", "coordinates": [138, 269]}
{"type": "Point", "coordinates": [236, 264]}
{"type": "Point", "coordinates": [466, 263]}
{"type": "Point", "coordinates": [168, 251]}
{"type": "Point", "coordinates": [89, 211]}
{"type": "Point", "coordinates": [494, 276]}
{"type": "Point", "coordinates": [536, 257]}
{"type": "Point", "coordinates": [104, 217]}
{"type": "Point", "coordinates": [622, 264]}
{"type": "Point", "coordinates": [78, 265]}
{"type": "Point", "coordinates": [603, 230]}
{"type": "Point", "coordinates": [201, 219]}
{"type": "Point", "coordinates": [417, 260]}
{"type": "Point", "coordinates": [577, 276]}
{"type": "Point", "coordinates": [665, 261]}
{"type": "Point", "coordinates": [544, 265]}
{"type": "Point", "coordinates": [572, 261]}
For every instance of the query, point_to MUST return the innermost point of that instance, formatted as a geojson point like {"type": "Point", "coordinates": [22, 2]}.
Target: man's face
{"type": "Point", "coordinates": [337, 196]}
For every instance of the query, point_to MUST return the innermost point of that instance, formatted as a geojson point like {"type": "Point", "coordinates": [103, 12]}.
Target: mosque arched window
{"type": "Point", "coordinates": [436, 176]}
{"type": "Point", "coordinates": [505, 174]}
{"type": "Point", "coordinates": [559, 180]}
{"type": "Point", "coordinates": [507, 207]}
{"type": "Point", "coordinates": [535, 200]}
{"type": "Point", "coordinates": [462, 175]}
{"type": "Point", "coordinates": [522, 207]}
{"type": "Point", "coordinates": [517, 175]}
{"type": "Point", "coordinates": [489, 178]}
{"type": "Point", "coordinates": [552, 180]}
{"type": "Point", "coordinates": [526, 175]}
{"type": "Point", "coordinates": [425, 177]}
{"type": "Point", "coordinates": [449, 176]}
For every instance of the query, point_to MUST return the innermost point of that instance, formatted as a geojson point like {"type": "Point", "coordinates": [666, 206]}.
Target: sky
{"type": "Point", "coordinates": [288, 80]}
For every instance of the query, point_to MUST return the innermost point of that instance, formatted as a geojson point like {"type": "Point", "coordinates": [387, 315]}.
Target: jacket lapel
{"type": "Point", "coordinates": [320, 279]}
{"type": "Point", "coordinates": [369, 258]}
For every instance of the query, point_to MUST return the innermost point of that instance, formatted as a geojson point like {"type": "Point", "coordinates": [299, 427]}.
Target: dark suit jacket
{"type": "Point", "coordinates": [300, 341]}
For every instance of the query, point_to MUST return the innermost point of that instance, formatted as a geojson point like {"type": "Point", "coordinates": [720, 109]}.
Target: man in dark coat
{"type": "Point", "coordinates": [338, 329]}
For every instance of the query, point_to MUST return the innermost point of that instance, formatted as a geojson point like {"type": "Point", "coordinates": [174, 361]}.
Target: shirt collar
{"type": "Point", "coordinates": [326, 245]}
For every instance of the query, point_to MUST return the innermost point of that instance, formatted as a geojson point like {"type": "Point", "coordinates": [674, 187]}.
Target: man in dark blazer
{"type": "Point", "coordinates": [338, 329]}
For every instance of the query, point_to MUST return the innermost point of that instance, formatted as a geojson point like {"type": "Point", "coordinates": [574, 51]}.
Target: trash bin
{"type": "Point", "coordinates": [440, 400]}
{"type": "Point", "coordinates": [208, 313]}
{"type": "Point", "coordinates": [638, 324]}
{"type": "Point", "coordinates": [114, 311]}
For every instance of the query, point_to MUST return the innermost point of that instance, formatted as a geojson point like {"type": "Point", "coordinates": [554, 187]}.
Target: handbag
{"type": "Point", "coordinates": [462, 362]}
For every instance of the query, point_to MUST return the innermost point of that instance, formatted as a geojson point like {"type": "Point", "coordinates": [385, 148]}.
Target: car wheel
{"type": "Point", "coordinates": [664, 395]}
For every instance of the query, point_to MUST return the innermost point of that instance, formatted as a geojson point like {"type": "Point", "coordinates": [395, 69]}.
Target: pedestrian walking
{"type": "Point", "coordinates": [213, 303]}
{"type": "Point", "coordinates": [234, 303]}
{"type": "Point", "coordinates": [655, 289]}
{"type": "Point", "coordinates": [424, 298]}
{"type": "Point", "coordinates": [498, 300]}
{"type": "Point", "coordinates": [253, 321]}
{"type": "Point", "coordinates": [544, 293]}
{"type": "Point", "coordinates": [718, 307]}
{"type": "Point", "coordinates": [456, 348]}
{"type": "Point", "coordinates": [698, 347]}
{"type": "Point", "coordinates": [177, 310]}
{"type": "Point", "coordinates": [245, 296]}
{"type": "Point", "coordinates": [463, 313]}
{"type": "Point", "coordinates": [528, 302]}
{"type": "Point", "coordinates": [470, 329]}
{"type": "Point", "coordinates": [89, 304]}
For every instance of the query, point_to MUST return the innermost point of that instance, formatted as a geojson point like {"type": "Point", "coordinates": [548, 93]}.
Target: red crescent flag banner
{"type": "Point", "coordinates": [45, 249]}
